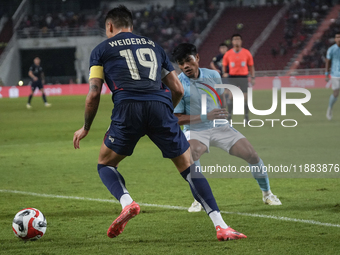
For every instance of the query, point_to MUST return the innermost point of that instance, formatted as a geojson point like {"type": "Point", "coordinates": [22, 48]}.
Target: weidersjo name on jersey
{"type": "Point", "coordinates": [131, 41]}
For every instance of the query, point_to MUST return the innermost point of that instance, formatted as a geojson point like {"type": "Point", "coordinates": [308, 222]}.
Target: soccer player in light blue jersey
{"type": "Point", "coordinates": [333, 63]}
{"type": "Point", "coordinates": [199, 129]}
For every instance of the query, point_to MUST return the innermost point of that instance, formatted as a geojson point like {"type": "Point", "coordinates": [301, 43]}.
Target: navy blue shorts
{"type": "Point", "coordinates": [36, 84]}
{"type": "Point", "coordinates": [133, 119]}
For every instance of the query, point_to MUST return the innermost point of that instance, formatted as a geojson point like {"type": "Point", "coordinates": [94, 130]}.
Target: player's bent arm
{"type": "Point", "coordinates": [92, 101]}
{"type": "Point", "coordinates": [172, 82]}
{"type": "Point", "coordinates": [212, 66]}
{"type": "Point", "coordinates": [30, 74]}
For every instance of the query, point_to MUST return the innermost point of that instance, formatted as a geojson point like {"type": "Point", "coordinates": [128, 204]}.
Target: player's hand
{"type": "Point", "coordinates": [78, 135]}
{"type": "Point", "coordinates": [217, 114]}
{"type": "Point", "coordinates": [225, 75]}
{"type": "Point", "coordinates": [327, 78]}
{"type": "Point", "coordinates": [35, 78]}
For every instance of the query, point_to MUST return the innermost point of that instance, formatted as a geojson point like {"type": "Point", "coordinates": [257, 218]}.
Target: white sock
{"type": "Point", "coordinates": [217, 219]}
{"type": "Point", "coordinates": [125, 200]}
{"type": "Point", "coordinates": [266, 193]}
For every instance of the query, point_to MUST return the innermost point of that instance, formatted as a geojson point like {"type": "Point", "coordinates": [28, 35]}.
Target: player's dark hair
{"type": "Point", "coordinates": [120, 16]}
{"type": "Point", "coordinates": [236, 35]}
{"type": "Point", "coordinates": [183, 50]}
{"type": "Point", "coordinates": [223, 44]}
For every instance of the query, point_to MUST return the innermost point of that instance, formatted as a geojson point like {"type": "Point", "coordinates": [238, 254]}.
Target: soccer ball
{"type": "Point", "coordinates": [29, 224]}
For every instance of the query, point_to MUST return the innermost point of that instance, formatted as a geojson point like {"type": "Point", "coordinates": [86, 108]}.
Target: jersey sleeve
{"type": "Point", "coordinates": [31, 68]}
{"type": "Point", "coordinates": [214, 60]}
{"type": "Point", "coordinates": [329, 54]}
{"type": "Point", "coordinates": [166, 64]}
{"type": "Point", "coordinates": [250, 61]}
{"type": "Point", "coordinates": [96, 65]}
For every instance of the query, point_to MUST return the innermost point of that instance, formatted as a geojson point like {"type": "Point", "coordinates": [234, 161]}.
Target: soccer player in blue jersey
{"type": "Point", "coordinates": [37, 76]}
{"type": "Point", "coordinates": [199, 129]}
{"type": "Point", "coordinates": [139, 74]}
{"type": "Point", "coordinates": [333, 63]}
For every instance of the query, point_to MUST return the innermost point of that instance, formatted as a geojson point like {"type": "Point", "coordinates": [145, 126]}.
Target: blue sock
{"type": "Point", "coordinates": [332, 100]}
{"type": "Point", "coordinates": [200, 189]}
{"type": "Point", "coordinates": [44, 98]}
{"type": "Point", "coordinates": [260, 176]}
{"type": "Point", "coordinates": [113, 180]}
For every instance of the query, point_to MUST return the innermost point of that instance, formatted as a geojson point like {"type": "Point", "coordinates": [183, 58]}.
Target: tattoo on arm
{"type": "Point", "coordinates": [94, 88]}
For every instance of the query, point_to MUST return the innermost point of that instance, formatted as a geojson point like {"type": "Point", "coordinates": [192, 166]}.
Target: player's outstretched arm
{"type": "Point", "coordinates": [172, 82]}
{"type": "Point", "coordinates": [91, 107]}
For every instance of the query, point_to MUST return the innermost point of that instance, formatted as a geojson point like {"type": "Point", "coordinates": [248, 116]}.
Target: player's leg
{"type": "Point", "coordinates": [233, 142]}
{"type": "Point", "coordinates": [165, 132]}
{"type": "Point", "coordinates": [243, 149]}
{"type": "Point", "coordinates": [333, 97]}
{"type": "Point", "coordinates": [28, 105]}
{"type": "Point", "coordinates": [119, 142]}
{"type": "Point", "coordinates": [202, 193]}
{"type": "Point", "coordinates": [229, 100]}
{"type": "Point", "coordinates": [243, 85]}
{"type": "Point", "coordinates": [246, 108]}
{"type": "Point", "coordinates": [41, 88]}
{"type": "Point", "coordinates": [197, 149]}
{"type": "Point", "coordinates": [107, 168]}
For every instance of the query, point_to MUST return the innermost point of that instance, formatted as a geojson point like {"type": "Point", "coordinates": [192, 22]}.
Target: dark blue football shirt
{"type": "Point", "coordinates": [133, 68]}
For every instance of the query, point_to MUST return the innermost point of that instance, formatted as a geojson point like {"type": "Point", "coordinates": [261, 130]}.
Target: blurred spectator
{"type": "Point", "coordinates": [166, 26]}
{"type": "Point", "coordinates": [274, 52]}
{"type": "Point", "coordinates": [302, 20]}
{"type": "Point", "coordinates": [316, 58]}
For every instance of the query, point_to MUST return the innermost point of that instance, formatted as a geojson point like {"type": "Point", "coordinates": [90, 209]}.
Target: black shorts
{"type": "Point", "coordinates": [134, 119]}
{"type": "Point", "coordinates": [239, 81]}
{"type": "Point", "coordinates": [36, 84]}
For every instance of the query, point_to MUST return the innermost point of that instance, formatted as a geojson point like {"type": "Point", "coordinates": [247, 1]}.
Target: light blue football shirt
{"type": "Point", "coordinates": [333, 54]}
{"type": "Point", "coordinates": [190, 104]}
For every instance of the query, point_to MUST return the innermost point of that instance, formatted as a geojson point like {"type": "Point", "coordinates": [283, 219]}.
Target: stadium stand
{"type": "Point", "coordinates": [166, 26]}
{"type": "Point", "coordinates": [170, 26]}
{"type": "Point", "coordinates": [316, 57]}
{"type": "Point", "coordinates": [248, 21]}
{"type": "Point", "coordinates": [291, 34]}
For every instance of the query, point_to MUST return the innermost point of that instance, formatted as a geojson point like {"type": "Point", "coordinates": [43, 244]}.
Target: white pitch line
{"type": "Point", "coordinates": [312, 222]}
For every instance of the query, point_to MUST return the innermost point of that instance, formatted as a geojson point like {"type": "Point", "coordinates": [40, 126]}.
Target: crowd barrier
{"type": "Point", "coordinates": [261, 83]}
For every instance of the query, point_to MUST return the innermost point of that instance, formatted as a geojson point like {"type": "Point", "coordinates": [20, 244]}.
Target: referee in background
{"type": "Point", "coordinates": [37, 79]}
{"type": "Point", "coordinates": [241, 63]}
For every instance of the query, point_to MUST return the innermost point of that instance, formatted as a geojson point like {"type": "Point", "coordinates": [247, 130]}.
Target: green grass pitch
{"type": "Point", "coordinates": [37, 156]}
